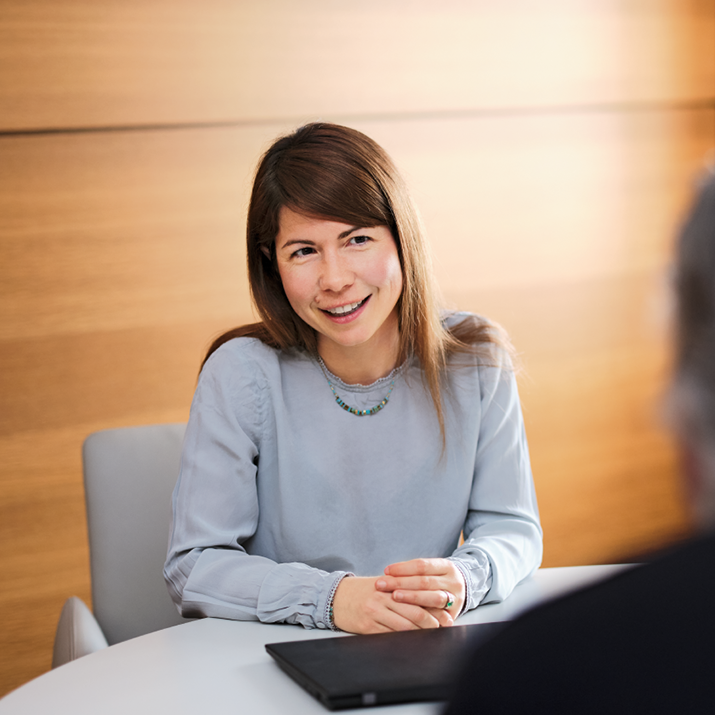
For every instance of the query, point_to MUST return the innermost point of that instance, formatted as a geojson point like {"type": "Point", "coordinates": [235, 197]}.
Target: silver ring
{"type": "Point", "coordinates": [450, 600]}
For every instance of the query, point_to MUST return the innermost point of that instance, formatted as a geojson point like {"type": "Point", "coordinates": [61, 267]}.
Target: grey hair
{"type": "Point", "coordinates": [693, 389]}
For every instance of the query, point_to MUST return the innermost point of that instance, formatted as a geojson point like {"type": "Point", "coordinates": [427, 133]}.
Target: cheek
{"type": "Point", "coordinates": [388, 275]}
{"type": "Point", "coordinates": [295, 286]}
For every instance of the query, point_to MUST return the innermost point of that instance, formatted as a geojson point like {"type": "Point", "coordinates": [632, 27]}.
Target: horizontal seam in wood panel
{"type": "Point", "coordinates": [602, 108]}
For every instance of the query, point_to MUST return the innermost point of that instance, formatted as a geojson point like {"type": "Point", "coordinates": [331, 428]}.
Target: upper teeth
{"type": "Point", "coordinates": [344, 308]}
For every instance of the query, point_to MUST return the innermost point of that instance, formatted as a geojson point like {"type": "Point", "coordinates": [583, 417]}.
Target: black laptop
{"type": "Point", "coordinates": [359, 671]}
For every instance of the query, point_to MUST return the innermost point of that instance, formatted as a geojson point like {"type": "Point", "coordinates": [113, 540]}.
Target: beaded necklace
{"type": "Point", "coordinates": [354, 410]}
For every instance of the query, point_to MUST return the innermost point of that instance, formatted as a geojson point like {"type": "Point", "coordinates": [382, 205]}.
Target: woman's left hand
{"type": "Point", "coordinates": [426, 583]}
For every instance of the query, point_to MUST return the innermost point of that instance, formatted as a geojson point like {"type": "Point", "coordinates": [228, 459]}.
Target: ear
{"type": "Point", "coordinates": [266, 252]}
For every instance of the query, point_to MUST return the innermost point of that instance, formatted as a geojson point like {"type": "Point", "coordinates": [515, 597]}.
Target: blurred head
{"type": "Point", "coordinates": [694, 378]}
{"type": "Point", "coordinates": [327, 171]}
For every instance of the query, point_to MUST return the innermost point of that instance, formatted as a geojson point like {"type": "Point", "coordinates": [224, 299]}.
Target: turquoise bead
{"type": "Point", "coordinates": [354, 410]}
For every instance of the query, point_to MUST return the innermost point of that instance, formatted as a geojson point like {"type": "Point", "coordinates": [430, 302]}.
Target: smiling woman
{"type": "Point", "coordinates": [287, 509]}
{"type": "Point", "coordinates": [344, 282]}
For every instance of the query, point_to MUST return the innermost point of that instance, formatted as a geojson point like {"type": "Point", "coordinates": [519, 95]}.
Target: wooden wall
{"type": "Point", "coordinates": [551, 147]}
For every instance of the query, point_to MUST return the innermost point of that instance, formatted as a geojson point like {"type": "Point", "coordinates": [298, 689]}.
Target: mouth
{"type": "Point", "coordinates": [343, 311]}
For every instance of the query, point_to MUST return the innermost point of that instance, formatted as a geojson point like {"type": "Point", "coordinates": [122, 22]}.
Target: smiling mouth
{"type": "Point", "coordinates": [348, 309]}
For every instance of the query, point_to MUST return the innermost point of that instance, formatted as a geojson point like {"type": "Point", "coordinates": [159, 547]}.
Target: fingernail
{"type": "Point", "coordinates": [397, 595]}
{"type": "Point", "coordinates": [381, 584]}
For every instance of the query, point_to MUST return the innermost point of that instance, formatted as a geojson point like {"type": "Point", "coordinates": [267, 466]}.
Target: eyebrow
{"type": "Point", "coordinates": [308, 242]}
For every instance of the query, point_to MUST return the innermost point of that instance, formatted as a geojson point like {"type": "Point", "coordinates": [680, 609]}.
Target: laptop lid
{"type": "Point", "coordinates": [358, 671]}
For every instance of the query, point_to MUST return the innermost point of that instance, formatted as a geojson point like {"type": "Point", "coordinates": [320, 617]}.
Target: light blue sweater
{"type": "Point", "coordinates": [281, 492]}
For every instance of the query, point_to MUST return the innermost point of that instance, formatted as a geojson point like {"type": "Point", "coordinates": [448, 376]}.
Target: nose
{"type": "Point", "coordinates": [336, 273]}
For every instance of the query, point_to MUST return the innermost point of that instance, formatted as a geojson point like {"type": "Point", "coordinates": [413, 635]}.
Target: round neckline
{"type": "Point", "coordinates": [358, 386]}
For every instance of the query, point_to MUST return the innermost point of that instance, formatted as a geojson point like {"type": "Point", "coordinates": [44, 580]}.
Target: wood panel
{"type": "Point", "coordinates": [79, 63]}
{"type": "Point", "coordinates": [517, 201]}
{"type": "Point", "coordinates": [106, 232]}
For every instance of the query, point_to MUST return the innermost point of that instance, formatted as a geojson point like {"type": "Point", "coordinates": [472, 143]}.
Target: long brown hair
{"type": "Point", "coordinates": [333, 172]}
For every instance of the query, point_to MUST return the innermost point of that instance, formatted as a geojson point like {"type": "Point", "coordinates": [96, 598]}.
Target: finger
{"type": "Point", "coordinates": [381, 610]}
{"type": "Point", "coordinates": [420, 618]}
{"type": "Point", "coordinates": [444, 618]}
{"type": "Point", "coordinates": [414, 583]}
{"type": "Point", "coordinates": [390, 621]}
{"type": "Point", "coordinates": [386, 584]}
{"type": "Point", "coordinates": [416, 617]}
{"type": "Point", "coordinates": [426, 599]}
{"type": "Point", "coordinates": [418, 567]}
{"type": "Point", "coordinates": [376, 627]}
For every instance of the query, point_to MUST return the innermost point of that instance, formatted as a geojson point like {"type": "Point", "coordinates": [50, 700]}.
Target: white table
{"type": "Point", "coordinates": [214, 666]}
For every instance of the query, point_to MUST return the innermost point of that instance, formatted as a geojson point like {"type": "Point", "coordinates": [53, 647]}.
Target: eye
{"type": "Point", "coordinates": [360, 240]}
{"type": "Point", "coordinates": [302, 252]}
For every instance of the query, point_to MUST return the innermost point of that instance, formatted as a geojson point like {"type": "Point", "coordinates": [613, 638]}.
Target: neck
{"type": "Point", "coordinates": [362, 364]}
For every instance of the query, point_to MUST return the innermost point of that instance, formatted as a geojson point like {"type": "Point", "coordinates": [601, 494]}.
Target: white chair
{"type": "Point", "coordinates": [129, 475]}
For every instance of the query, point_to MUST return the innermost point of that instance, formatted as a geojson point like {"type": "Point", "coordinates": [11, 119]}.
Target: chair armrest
{"type": "Point", "coordinates": [78, 633]}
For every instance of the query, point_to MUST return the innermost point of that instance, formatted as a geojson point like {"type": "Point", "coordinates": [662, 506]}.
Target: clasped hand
{"type": "Point", "coordinates": [409, 596]}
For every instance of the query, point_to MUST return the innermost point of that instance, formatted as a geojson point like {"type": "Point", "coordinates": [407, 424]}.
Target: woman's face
{"type": "Point", "coordinates": [344, 281]}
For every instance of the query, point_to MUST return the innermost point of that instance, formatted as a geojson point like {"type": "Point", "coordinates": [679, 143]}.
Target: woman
{"type": "Point", "coordinates": [336, 450]}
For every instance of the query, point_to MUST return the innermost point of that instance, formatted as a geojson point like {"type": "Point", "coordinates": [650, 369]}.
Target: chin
{"type": "Point", "coordinates": [345, 339]}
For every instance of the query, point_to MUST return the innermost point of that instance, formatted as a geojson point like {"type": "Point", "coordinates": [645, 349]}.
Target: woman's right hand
{"type": "Point", "coordinates": [358, 607]}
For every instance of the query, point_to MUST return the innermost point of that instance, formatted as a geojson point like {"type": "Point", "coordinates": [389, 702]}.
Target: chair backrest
{"type": "Point", "coordinates": [129, 475]}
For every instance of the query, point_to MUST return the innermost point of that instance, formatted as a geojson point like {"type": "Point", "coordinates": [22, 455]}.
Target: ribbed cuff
{"type": "Point", "coordinates": [328, 614]}
{"type": "Point", "coordinates": [467, 588]}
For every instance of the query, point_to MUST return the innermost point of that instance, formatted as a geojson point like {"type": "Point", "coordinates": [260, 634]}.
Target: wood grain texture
{"type": "Point", "coordinates": [517, 201]}
{"type": "Point", "coordinates": [84, 64]}
{"type": "Point", "coordinates": [103, 232]}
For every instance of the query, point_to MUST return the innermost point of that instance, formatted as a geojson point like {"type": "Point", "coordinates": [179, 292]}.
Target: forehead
{"type": "Point", "coordinates": [293, 225]}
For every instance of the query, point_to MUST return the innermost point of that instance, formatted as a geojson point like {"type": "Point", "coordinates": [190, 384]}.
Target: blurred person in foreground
{"type": "Point", "coordinates": [643, 641]}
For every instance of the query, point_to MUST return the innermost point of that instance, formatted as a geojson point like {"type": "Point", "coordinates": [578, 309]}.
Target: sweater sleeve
{"type": "Point", "coordinates": [503, 537]}
{"type": "Point", "coordinates": [216, 510]}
